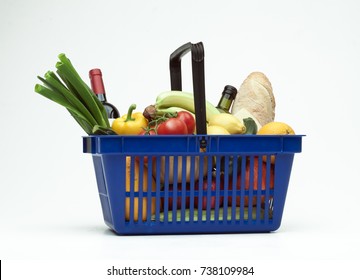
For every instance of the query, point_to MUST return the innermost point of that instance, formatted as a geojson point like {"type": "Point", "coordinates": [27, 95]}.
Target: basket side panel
{"type": "Point", "coordinates": [114, 174]}
{"type": "Point", "coordinates": [103, 194]}
{"type": "Point", "coordinates": [105, 206]}
{"type": "Point", "coordinates": [99, 173]}
{"type": "Point", "coordinates": [283, 167]}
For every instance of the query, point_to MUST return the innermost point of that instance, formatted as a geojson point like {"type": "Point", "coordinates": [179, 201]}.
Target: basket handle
{"type": "Point", "coordinates": [197, 51]}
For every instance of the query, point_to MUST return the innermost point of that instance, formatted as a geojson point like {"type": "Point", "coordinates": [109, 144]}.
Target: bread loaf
{"type": "Point", "coordinates": [256, 96]}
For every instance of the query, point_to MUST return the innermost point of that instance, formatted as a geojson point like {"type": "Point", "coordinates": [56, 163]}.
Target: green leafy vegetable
{"type": "Point", "coordinates": [66, 88]}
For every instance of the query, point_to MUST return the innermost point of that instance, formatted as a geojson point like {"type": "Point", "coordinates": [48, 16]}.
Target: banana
{"type": "Point", "coordinates": [183, 100]}
{"type": "Point", "coordinates": [232, 124]}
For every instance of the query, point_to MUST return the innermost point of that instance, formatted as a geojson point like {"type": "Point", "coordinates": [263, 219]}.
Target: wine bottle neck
{"type": "Point", "coordinates": [97, 84]}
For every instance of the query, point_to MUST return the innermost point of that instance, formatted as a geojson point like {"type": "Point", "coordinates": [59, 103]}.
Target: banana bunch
{"type": "Point", "coordinates": [182, 101]}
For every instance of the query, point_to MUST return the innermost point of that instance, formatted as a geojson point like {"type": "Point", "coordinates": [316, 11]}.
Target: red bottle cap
{"type": "Point", "coordinates": [97, 83]}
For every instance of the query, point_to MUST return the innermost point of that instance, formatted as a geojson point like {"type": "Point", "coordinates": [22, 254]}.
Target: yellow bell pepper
{"type": "Point", "coordinates": [131, 123]}
{"type": "Point", "coordinates": [136, 188]}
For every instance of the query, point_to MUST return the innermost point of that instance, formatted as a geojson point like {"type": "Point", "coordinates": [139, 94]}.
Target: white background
{"type": "Point", "coordinates": [49, 206]}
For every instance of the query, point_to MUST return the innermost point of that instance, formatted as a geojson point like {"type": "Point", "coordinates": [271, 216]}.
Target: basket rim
{"type": "Point", "coordinates": [190, 144]}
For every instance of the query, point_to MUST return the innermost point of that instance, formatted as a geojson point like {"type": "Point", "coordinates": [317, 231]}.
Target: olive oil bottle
{"type": "Point", "coordinates": [227, 99]}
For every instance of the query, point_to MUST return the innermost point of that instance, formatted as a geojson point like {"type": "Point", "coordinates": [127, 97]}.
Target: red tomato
{"type": "Point", "coordinates": [172, 126]}
{"type": "Point", "coordinates": [188, 119]}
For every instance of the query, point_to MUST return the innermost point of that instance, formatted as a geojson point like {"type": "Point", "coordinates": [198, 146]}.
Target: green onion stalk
{"type": "Point", "coordinates": [67, 88]}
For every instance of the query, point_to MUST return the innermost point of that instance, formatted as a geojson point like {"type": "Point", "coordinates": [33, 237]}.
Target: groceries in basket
{"type": "Point", "coordinates": [252, 108]}
{"type": "Point", "coordinates": [181, 159]}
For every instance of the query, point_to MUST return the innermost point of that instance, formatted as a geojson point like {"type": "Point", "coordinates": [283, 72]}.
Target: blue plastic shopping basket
{"type": "Point", "coordinates": [164, 184]}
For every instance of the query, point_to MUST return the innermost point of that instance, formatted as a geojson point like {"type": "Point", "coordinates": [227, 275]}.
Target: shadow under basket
{"type": "Point", "coordinates": [192, 183]}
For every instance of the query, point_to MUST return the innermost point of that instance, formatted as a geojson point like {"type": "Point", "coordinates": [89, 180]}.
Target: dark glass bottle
{"type": "Point", "coordinates": [227, 98]}
{"type": "Point", "coordinates": [97, 85]}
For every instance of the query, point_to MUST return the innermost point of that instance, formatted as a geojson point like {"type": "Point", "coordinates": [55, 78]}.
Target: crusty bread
{"type": "Point", "coordinates": [256, 96]}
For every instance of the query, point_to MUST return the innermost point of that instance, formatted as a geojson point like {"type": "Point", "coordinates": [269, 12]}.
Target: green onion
{"type": "Point", "coordinates": [82, 89]}
{"type": "Point", "coordinates": [66, 88]}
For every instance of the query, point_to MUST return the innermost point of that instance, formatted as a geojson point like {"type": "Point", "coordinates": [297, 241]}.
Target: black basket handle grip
{"type": "Point", "coordinates": [197, 51]}
{"type": "Point", "coordinates": [175, 66]}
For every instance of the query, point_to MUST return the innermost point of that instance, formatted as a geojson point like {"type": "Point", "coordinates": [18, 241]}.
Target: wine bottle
{"type": "Point", "coordinates": [227, 98]}
{"type": "Point", "coordinates": [97, 85]}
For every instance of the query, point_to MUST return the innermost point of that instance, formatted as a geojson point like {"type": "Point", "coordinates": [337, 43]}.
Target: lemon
{"type": "Point", "coordinates": [276, 128]}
